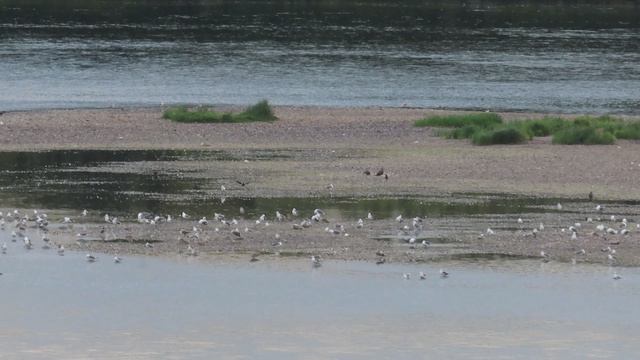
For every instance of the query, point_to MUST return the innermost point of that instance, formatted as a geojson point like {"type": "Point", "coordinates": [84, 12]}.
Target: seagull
{"type": "Point", "coordinates": [399, 218]}
{"type": "Point", "coordinates": [222, 188]}
{"type": "Point", "coordinates": [520, 221]}
{"type": "Point", "coordinates": [443, 274]}
{"type": "Point", "coordinates": [315, 261]}
{"type": "Point", "coordinates": [85, 212]}
{"type": "Point", "coordinates": [27, 243]}
{"type": "Point", "coordinates": [406, 276]}
{"type": "Point", "coordinates": [369, 216]}
{"type": "Point", "coordinates": [148, 245]}
{"type": "Point", "coordinates": [4, 248]}
{"type": "Point", "coordinates": [61, 250]}
{"type": "Point", "coordinates": [203, 221]}
{"type": "Point", "coordinates": [490, 232]}
{"type": "Point", "coordinates": [360, 224]}
{"type": "Point", "coordinates": [294, 212]}
{"type": "Point", "coordinates": [559, 206]}
{"type": "Point", "coordinates": [117, 259]}
{"type": "Point", "coordinates": [422, 275]}
{"type": "Point", "coordinates": [616, 276]}
{"type": "Point", "coordinates": [184, 215]}
{"type": "Point", "coordinates": [91, 258]}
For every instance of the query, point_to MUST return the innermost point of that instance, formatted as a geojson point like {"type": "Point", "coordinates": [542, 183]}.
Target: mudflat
{"type": "Point", "coordinates": [333, 148]}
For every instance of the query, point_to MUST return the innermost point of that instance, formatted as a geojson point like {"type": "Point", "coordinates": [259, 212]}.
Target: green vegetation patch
{"type": "Point", "coordinates": [489, 129]}
{"type": "Point", "coordinates": [583, 135]}
{"type": "Point", "coordinates": [482, 120]}
{"type": "Point", "coordinates": [259, 112]}
{"type": "Point", "coordinates": [502, 136]}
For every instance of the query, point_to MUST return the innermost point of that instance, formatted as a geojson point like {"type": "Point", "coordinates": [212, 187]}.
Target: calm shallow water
{"type": "Point", "coordinates": [517, 56]}
{"type": "Point", "coordinates": [56, 306]}
{"type": "Point", "coordinates": [125, 182]}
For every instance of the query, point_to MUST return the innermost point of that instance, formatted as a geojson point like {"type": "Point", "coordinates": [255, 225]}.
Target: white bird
{"type": "Point", "coordinates": [520, 221]}
{"type": "Point", "coordinates": [4, 248]}
{"type": "Point", "coordinates": [559, 206]}
{"type": "Point", "coordinates": [61, 250]}
{"type": "Point", "coordinates": [406, 276]}
{"type": "Point", "coordinates": [27, 243]}
{"type": "Point", "coordinates": [541, 227]}
{"type": "Point", "coordinates": [91, 258]}
{"type": "Point", "coordinates": [203, 221]}
{"type": "Point", "coordinates": [360, 224]}
{"type": "Point", "coordinates": [422, 275]}
{"type": "Point", "coordinates": [490, 232]}
{"type": "Point", "coordinates": [574, 236]}
{"type": "Point", "coordinates": [85, 212]}
{"type": "Point", "coordinates": [369, 216]}
{"type": "Point", "coordinates": [443, 273]}
{"type": "Point", "coordinates": [279, 216]}
{"type": "Point", "coordinates": [399, 218]}
{"type": "Point", "coordinates": [294, 212]}
{"type": "Point", "coordinates": [148, 245]}
{"type": "Point", "coordinates": [66, 220]}
{"type": "Point", "coordinates": [222, 188]}
{"type": "Point", "coordinates": [315, 261]}
{"type": "Point", "coordinates": [185, 215]}
{"type": "Point", "coordinates": [106, 218]}
{"type": "Point", "coordinates": [616, 276]}
{"type": "Point", "coordinates": [117, 259]}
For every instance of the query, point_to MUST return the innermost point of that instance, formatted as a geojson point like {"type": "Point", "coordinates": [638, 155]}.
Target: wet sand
{"type": "Point", "coordinates": [335, 146]}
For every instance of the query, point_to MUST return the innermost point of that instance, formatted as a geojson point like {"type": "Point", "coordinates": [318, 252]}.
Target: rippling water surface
{"type": "Point", "coordinates": [492, 55]}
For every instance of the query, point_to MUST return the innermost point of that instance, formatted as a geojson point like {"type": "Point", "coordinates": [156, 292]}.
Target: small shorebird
{"type": "Point", "coordinates": [443, 274]}
{"type": "Point", "coordinates": [406, 276]}
{"type": "Point", "coordinates": [117, 259]}
{"type": "Point", "coordinates": [422, 275]}
{"type": "Point", "coordinates": [616, 276]}
{"type": "Point", "coordinates": [91, 258]}
{"type": "Point", "coordinates": [315, 261]}
{"type": "Point", "coordinates": [61, 250]}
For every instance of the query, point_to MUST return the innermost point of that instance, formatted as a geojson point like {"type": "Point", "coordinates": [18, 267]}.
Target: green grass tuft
{"type": "Point", "coordinates": [482, 120]}
{"type": "Point", "coordinates": [503, 136]}
{"type": "Point", "coordinates": [583, 135]}
{"type": "Point", "coordinates": [259, 112]}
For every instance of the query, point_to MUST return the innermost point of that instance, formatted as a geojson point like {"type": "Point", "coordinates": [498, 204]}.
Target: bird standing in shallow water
{"type": "Point", "coordinates": [443, 274]}
{"type": "Point", "coordinates": [315, 261]}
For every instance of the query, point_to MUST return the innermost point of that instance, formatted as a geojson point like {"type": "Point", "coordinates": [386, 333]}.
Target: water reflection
{"type": "Point", "coordinates": [112, 181]}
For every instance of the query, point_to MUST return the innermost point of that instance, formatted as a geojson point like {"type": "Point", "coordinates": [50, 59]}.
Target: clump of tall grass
{"type": "Point", "coordinates": [502, 136]}
{"type": "Point", "coordinates": [583, 135]}
{"type": "Point", "coordinates": [482, 120]}
{"type": "Point", "coordinates": [259, 112]}
{"type": "Point", "coordinates": [488, 129]}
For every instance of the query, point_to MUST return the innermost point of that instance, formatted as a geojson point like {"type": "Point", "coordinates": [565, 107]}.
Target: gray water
{"type": "Point", "coordinates": [65, 307]}
{"type": "Point", "coordinates": [497, 55]}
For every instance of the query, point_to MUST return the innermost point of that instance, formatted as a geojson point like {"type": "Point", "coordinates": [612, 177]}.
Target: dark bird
{"type": "Point", "coordinates": [386, 177]}
{"type": "Point", "coordinates": [243, 184]}
{"type": "Point", "coordinates": [591, 196]}
{"type": "Point", "coordinates": [380, 172]}
{"type": "Point", "coordinates": [367, 172]}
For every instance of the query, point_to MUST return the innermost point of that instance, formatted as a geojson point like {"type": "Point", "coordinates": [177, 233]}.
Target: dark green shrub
{"type": "Point", "coordinates": [510, 135]}
{"type": "Point", "coordinates": [583, 135]}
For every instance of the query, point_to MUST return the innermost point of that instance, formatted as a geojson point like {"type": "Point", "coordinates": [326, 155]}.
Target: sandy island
{"type": "Point", "coordinates": [335, 146]}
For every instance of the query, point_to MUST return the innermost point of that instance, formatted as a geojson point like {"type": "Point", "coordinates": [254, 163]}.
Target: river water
{"type": "Point", "coordinates": [64, 307]}
{"type": "Point", "coordinates": [556, 57]}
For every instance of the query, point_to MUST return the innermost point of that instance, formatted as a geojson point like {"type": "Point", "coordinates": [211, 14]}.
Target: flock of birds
{"type": "Point", "coordinates": [409, 231]}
